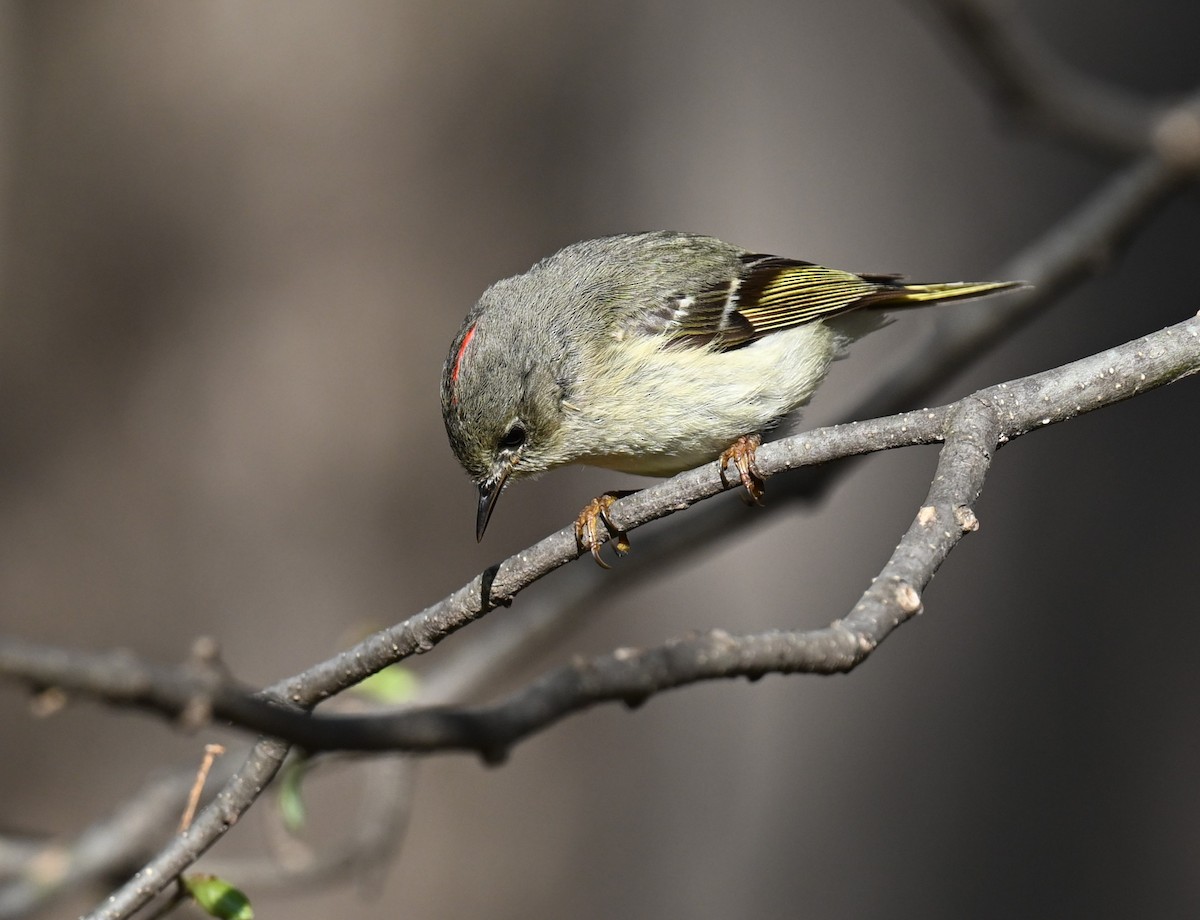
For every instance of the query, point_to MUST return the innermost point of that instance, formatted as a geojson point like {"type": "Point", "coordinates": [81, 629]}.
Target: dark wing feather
{"type": "Point", "coordinates": [696, 318]}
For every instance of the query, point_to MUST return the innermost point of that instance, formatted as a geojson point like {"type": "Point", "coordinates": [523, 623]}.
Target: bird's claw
{"type": "Point", "coordinates": [587, 527]}
{"type": "Point", "coordinates": [741, 453]}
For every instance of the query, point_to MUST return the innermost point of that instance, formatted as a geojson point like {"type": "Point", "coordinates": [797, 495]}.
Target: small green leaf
{"type": "Point", "coordinates": [218, 898]}
{"type": "Point", "coordinates": [291, 802]}
{"type": "Point", "coordinates": [394, 684]}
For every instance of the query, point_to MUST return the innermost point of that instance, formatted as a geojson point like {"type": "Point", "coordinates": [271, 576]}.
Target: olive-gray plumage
{"type": "Point", "coordinates": [650, 353]}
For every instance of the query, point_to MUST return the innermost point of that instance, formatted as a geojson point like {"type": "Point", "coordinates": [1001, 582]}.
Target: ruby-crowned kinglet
{"type": "Point", "coordinates": [651, 353]}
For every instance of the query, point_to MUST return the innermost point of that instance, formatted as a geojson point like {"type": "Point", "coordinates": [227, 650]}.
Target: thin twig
{"type": "Point", "coordinates": [211, 752]}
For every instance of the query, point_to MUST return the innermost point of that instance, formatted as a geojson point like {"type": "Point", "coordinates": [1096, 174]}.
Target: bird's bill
{"type": "Point", "coordinates": [489, 491]}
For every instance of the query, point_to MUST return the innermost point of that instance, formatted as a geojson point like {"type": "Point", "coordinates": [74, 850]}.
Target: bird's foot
{"type": "Point", "coordinates": [741, 454]}
{"type": "Point", "coordinates": [587, 527]}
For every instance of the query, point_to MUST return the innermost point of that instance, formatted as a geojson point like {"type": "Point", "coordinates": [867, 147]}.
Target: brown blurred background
{"type": "Point", "coordinates": [237, 239]}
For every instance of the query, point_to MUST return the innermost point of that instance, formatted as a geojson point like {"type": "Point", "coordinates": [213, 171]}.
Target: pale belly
{"type": "Point", "coordinates": [666, 411]}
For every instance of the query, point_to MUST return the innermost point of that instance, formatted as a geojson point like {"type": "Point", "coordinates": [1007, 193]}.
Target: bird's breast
{"type": "Point", "coordinates": [653, 410]}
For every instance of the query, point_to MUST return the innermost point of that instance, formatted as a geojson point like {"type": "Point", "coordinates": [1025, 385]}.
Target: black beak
{"type": "Point", "coordinates": [488, 493]}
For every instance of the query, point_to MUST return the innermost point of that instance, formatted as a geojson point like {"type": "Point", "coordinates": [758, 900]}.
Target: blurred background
{"type": "Point", "coordinates": [235, 242]}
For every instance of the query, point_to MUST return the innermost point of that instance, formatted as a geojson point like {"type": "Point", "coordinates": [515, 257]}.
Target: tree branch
{"type": "Point", "coordinates": [971, 429]}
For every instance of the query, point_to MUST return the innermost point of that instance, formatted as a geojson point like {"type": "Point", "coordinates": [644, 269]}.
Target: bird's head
{"type": "Point", "coordinates": [504, 386]}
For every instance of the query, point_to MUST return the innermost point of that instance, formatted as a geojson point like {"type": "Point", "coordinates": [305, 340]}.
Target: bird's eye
{"type": "Point", "coordinates": [514, 437]}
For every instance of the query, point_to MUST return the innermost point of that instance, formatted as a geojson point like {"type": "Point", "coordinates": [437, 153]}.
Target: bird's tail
{"type": "Point", "coordinates": [896, 294]}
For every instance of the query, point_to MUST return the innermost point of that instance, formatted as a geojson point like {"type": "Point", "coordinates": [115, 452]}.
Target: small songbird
{"type": "Point", "coordinates": [652, 353]}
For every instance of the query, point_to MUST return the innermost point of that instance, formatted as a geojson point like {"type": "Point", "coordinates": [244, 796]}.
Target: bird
{"type": "Point", "coordinates": [652, 353]}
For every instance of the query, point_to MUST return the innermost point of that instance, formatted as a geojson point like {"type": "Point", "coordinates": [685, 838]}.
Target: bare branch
{"type": "Point", "coordinates": [1013, 409]}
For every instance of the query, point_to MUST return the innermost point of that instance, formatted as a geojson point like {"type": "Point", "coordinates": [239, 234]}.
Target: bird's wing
{"type": "Point", "coordinates": [767, 294]}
